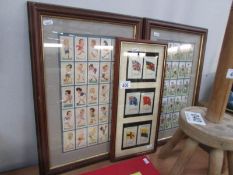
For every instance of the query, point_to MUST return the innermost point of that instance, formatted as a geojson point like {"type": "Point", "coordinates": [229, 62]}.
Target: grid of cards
{"type": "Point", "coordinates": [86, 65]}
{"type": "Point", "coordinates": [177, 83]}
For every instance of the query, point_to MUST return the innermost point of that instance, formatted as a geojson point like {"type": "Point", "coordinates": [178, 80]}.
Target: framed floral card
{"type": "Point", "coordinates": [230, 102]}
{"type": "Point", "coordinates": [139, 71]}
{"type": "Point", "coordinates": [186, 48]}
{"type": "Point", "coordinates": [73, 64]}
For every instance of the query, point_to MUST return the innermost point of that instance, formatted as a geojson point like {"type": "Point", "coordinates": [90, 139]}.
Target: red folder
{"type": "Point", "coordinates": [139, 164]}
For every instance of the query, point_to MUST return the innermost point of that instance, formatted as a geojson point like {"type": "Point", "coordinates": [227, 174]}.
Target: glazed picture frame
{"type": "Point", "coordinates": [136, 103]}
{"type": "Point", "coordinates": [67, 101]}
{"type": "Point", "coordinates": [186, 49]}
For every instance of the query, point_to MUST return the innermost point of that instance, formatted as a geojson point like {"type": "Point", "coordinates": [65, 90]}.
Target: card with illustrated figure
{"type": "Point", "coordinates": [68, 141]}
{"type": "Point", "coordinates": [135, 66]}
{"type": "Point", "coordinates": [106, 51]}
{"type": "Point", "coordinates": [93, 72]}
{"type": "Point", "coordinates": [179, 87]}
{"type": "Point", "coordinates": [81, 138]}
{"type": "Point", "coordinates": [92, 135]}
{"type": "Point", "coordinates": [181, 72]}
{"type": "Point", "coordinates": [143, 134]}
{"type": "Point", "coordinates": [172, 87]}
{"type": "Point", "coordinates": [164, 105]}
{"type": "Point", "coordinates": [80, 48]}
{"type": "Point", "coordinates": [188, 69]}
{"type": "Point", "coordinates": [93, 49]}
{"type": "Point", "coordinates": [105, 74]}
{"type": "Point", "coordinates": [67, 73]}
{"type": "Point", "coordinates": [168, 70]}
{"type": "Point", "coordinates": [80, 95]}
{"type": "Point", "coordinates": [68, 119]}
{"type": "Point", "coordinates": [132, 102]}
{"type": "Point", "coordinates": [66, 50]}
{"type": "Point", "coordinates": [129, 136]}
{"type": "Point", "coordinates": [162, 122]}
{"type": "Point", "coordinates": [104, 90]}
{"type": "Point", "coordinates": [80, 72]}
{"type": "Point", "coordinates": [175, 119]}
{"type": "Point", "coordinates": [67, 96]}
{"type": "Point", "coordinates": [186, 86]}
{"type": "Point", "coordinates": [92, 115]}
{"type": "Point", "coordinates": [174, 70]}
{"type": "Point", "coordinates": [168, 121]}
{"type": "Point", "coordinates": [166, 88]}
{"type": "Point", "coordinates": [103, 113]}
{"type": "Point", "coordinates": [92, 97]}
{"type": "Point", "coordinates": [103, 133]}
{"type": "Point", "coordinates": [178, 103]}
{"type": "Point", "coordinates": [147, 100]}
{"type": "Point", "coordinates": [150, 64]}
{"type": "Point", "coordinates": [170, 51]}
{"type": "Point", "coordinates": [81, 117]}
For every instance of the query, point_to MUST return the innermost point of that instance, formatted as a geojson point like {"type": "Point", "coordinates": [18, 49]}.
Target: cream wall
{"type": "Point", "coordinates": [17, 126]}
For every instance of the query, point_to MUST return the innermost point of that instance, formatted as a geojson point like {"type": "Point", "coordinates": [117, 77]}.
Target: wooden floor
{"type": "Point", "coordinates": [198, 165]}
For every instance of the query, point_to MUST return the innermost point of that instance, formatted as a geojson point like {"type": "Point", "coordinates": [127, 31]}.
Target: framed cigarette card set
{"type": "Point", "coordinates": [138, 81]}
{"type": "Point", "coordinates": [230, 102]}
{"type": "Point", "coordinates": [72, 63]}
{"type": "Point", "coordinates": [186, 46]}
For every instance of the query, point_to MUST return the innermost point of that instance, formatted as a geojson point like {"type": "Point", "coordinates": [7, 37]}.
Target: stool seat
{"type": "Point", "coordinates": [216, 135]}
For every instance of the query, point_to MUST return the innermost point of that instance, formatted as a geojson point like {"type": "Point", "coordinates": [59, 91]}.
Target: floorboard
{"type": "Point", "coordinates": [198, 165]}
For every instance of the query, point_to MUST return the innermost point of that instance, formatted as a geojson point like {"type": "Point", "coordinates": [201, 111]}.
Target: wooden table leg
{"type": "Point", "coordinates": [215, 162]}
{"type": "Point", "coordinates": [188, 150]}
{"type": "Point", "coordinates": [168, 147]}
{"type": "Point", "coordinates": [225, 164]}
{"type": "Point", "coordinates": [230, 162]}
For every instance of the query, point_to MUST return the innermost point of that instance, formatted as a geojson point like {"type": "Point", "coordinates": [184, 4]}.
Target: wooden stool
{"type": "Point", "coordinates": [218, 136]}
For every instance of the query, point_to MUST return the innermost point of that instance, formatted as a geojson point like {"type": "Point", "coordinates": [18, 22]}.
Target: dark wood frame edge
{"type": "Point", "coordinates": [113, 157]}
{"type": "Point", "coordinates": [35, 11]}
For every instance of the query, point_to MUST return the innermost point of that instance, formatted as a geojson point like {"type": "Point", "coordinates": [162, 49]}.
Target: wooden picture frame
{"type": "Point", "coordinates": [136, 104]}
{"type": "Point", "coordinates": [178, 36]}
{"type": "Point", "coordinates": [51, 28]}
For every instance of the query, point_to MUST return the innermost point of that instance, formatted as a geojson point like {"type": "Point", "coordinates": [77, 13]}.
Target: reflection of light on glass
{"type": "Point", "coordinates": [133, 54]}
{"type": "Point", "coordinates": [52, 45]}
{"type": "Point", "coordinates": [53, 39]}
{"type": "Point", "coordinates": [142, 54]}
{"type": "Point", "coordinates": [130, 54]}
{"type": "Point", "coordinates": [172, 49]}
{"type": "Point", "coordinates": [57, 32]}
{"type": "Point", "coordinates": [103, 47]}
{"type": "Point", "coordinates": [185, 47]}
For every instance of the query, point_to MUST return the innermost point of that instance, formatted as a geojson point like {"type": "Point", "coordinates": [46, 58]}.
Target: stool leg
{"type": "Point", "coordinates": [225, 164]}
{"type": "Point", "coordinates": [188, 150]}
{"type": "Point", "coordinates": [215, 162]}
{"type": "Point", "coordinates": [168, 147]}
{"type": "Point", "coordinates": [230, 162]}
